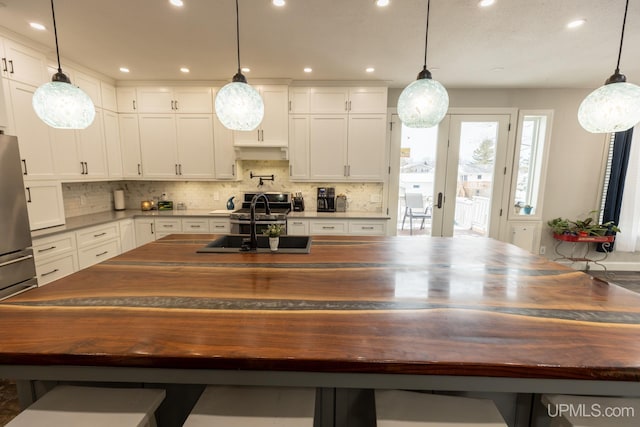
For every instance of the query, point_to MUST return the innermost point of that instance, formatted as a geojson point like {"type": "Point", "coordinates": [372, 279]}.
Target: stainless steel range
{"type": "Point", "coordinates": [279, 203]}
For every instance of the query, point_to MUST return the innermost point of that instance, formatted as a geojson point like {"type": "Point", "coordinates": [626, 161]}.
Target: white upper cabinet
{"type": "Point", "coordinates": [112, 143]}
{"type": "Point", "coordinates": [22, 64]}
{"type": "Point", "coordinates": [367, 100]}
{"type": "Point", "coordinates": [109, 97]}
{"type": "Point", "coordinates": [90, 86]}
{"type": "Point", "coordinates": [158, 145]}
{"type": "Point", "coordinates": [299, 100]}
{"type": "Point", "coordinates": [328, 100]}
{"type": "Point", "coordinates": [273, 131]}
{"type": "Point", "coordinates": [130, 145]}
{"type": "Point", "coordinates": [367, 148]}
{"type": "Point", "coordinates": [334, 100]}
{"type": "Point", "coordinates": [126, 99]}
{"type": "Point", "coordinates": [299, 146]}
{"type": "Point", "coordinates": [328, 147]}
{"type": "Point", "coordinates": [33, 134]}
{"type": "Point", "coordinates": [225, 154]}
{"type": "Point", "coordinates": [195, 145]}
{"type": "Point", "coordinates": [174, 100]}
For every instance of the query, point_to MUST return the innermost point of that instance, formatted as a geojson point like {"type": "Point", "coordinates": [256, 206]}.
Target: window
{"type": "Point", "coordinates": [534, 133]}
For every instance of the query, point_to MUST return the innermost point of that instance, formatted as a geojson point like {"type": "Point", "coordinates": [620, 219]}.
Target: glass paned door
{"type": "Point", "coordinates": [470, 179]}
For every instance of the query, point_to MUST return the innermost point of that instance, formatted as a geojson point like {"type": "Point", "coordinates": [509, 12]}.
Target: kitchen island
{"type": "Point", "coordinates": [362, 312]}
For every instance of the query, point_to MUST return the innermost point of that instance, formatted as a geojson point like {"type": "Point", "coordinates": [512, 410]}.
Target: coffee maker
{"type": "Point", "coordinates": [326, 199]}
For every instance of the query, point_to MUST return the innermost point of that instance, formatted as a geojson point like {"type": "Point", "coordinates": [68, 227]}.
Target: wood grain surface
{"type": "Point", "coordinates": [463, 306]}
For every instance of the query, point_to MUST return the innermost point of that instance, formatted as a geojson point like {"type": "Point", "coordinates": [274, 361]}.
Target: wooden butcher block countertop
{"type": "Point", "coordinates": [401, 305]}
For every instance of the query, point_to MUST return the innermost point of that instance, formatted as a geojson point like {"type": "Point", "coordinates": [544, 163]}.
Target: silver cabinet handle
{"type": "Point", "coordinates": [28, 194]}
{"type": "Point", "coordinates": [49, 272]}
{"type": "Point", "coordinates": [367, 228]}
{"type": "Point", "coordinates": [24, 162]}
{"type": "Point", "coordinates": [139, 169]}
{"type": "Point", "coordinates": [346, 105]}
{"type": "Point", "coordinates": [194, 226]}
{"type": "Point", "coordinates": [13, 261]}
{"type": "Point", "coordinates": [348, 170]}
{"type": "Point", "coordinates": [172, 105]}
{"type": "Point", "coordinates": [100, 234]}
{"type": "Point", "coordinates": [46, 249]}
{"type": "Point", "coordinates": [176, 166]}
{"type": "Point", "coordinates": [180, 168]}
{"type": "Point", "coordinates": [4, 65]}
{"type": "Point", "coordinates": [167, 225]}
{"type": "Point", "coordinates": [218, 226]}
{"type": "Point", "coordinates": [349, 105]}
{"type": "Point", "coordinates": [102, 253]}
{"type": "Point", "coordinates": [11, 63]}
{"type": "Point", "coordinates": [176, 104]}
{"type": "Point", "coordinates": [151, 228]}
{"type": "Point", "coordinates": [328, 227]}
{"type": "Point", "coordinates": [134, 104]}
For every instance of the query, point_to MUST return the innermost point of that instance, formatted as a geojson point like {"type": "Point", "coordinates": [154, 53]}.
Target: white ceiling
{"type": "Point", "coordinates": [514, 43]}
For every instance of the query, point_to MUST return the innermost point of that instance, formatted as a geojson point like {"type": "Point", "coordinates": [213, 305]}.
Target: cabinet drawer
{"type": "Point", "coordinates": [95, 254]}
{"type": "Point", "coordinates": [55, 268]}
{"type": "Point", "coordinates": [166, 226]}
{"type": "Point", "coordinates": [92, 235]}
{"type": "Point", "coordinates": [298, 227]}
{"type": "Point", "coordinates": [371, 228]}
{"type": "Point", "coordinates": [195, 225]}
{"type": "Point", "coordinates": [48, 247]}
{"type": "Point", "coordinates": [328, 227]}
{"type": "Point", "coordinates": [220, 226]}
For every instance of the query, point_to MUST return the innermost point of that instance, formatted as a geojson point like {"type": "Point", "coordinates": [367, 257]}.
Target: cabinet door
{"type": "Point", "coordinates": [154, 100]}
{"type": "Point", "coordinates": [126, 100]}
{"type": "Point", "coordinates": [195, 145]}
{"type": "Point", "coordinates": [33, 133]}
{"type": "Point", "coordinates": [67, 158]}
{"type": "Point", "coordinates": [193, 100]}
{"type": "Point", "coordinates": [220, 226]}
{"type": "Point", "coordinates": [130, 145]}
{"type": "Point", "coordinates": [298, 227]}
{"type": "Point", "coordinates": [367, 100]}
{"type": "Point", "coordinates": [225, 155]}
{"type": "Point", "coordinates": [299, 100]}
{"type": "Point", "coordinates": [112, 143]}
{"type": "Point", "coordinates": [327, 100]}
{"type": "Point", "coordinates": [332, 227]}
{"type": "Point", "coordinates": [145, 230]}
{"type": "Point", "coordinates": [44, 204]}
{"type": "Point", "coordinates": [299, 146]}
{"type": "Point", "coordinates": [90, 86]}
{"type": "Point", "coordinates": [127, 235]}
{"type": "Point", "coordinates": [56, 268]}
{"type": "Point", "coordinates": [93, 150]}
{"type": "Point", "coordinates": [24, 64]}
{"type": "Point", "coordinates": [109, 98]}
{"type": "Point", "coordinates": [274, 126]}
{"type": "Point", "coordinates": [195, 225]}
{"type": "Point", "coordinates": [328, 147]}
{"type": "Point", "coordinates": [367, 152]}
{"type": "Point", "coordinates": [158, 145]}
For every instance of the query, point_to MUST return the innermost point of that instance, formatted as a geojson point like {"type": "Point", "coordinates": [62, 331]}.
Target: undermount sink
{"type": "Point", "coordinates": [231, 243]}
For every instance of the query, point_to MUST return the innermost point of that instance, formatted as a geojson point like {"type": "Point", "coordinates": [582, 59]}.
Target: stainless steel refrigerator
{"type": "Point", "coordinates": [17, 266]}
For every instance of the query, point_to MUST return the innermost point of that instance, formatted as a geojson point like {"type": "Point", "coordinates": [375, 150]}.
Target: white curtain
{"type": "Point", "coordinates": [628, 240]}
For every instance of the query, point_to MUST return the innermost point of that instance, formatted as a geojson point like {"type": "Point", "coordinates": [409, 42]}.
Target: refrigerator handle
{"type": "Point", "coordinates": [13, 261]}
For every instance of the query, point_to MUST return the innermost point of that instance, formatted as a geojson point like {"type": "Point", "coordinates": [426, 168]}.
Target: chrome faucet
{"type": "Point", "coordinates": [253, 238]}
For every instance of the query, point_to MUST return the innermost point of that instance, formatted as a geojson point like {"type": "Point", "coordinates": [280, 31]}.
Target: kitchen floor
{"type": "Point", "coordinates": [9, 406]}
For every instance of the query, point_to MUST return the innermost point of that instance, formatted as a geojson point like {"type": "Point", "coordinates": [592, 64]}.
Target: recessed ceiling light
{"type": "Point", "coordinates": [278, 3]}
{"type": "Point", "coordinates": [370, 70]}
{"type": "Point", "coordinates": [308, 70]}
{"type": "Point", "coordinates": [486, 3]}
{"type": "Point", "coordinates": [177, 3]}
{"type": "Point", "coordinates": [245, 69]}
{"type": "Point", "coordinates": [382, 3]}
{"type": "Point", "coordinates": [576, 23]}
{"type": "Point", "coordinates": [184, 69]}
{"type": "Point", "coordinates": [124, 69]}
{"type": "Point", "coordinates": [37, 26]}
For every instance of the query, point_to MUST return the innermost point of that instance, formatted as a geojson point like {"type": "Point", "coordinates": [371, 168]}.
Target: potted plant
{"type": "Point", "coordinates": [582, 227]}
{"type": "Point", "coordinates": [527, 209]}
{"type": "Point", "coordinates": [517, 207]}
{"type": "Point", "coordinates": [273, 231]}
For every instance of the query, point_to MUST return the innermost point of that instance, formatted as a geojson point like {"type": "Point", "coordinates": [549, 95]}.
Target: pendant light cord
{"type": "Point", "coordinates": [624, 21]}
{"type": "Point", "coordinates": [237, 32]}
{"type": "Point", "coordinates": [55, 33]}
{"type": "Point", "coordinates": [426, 37]}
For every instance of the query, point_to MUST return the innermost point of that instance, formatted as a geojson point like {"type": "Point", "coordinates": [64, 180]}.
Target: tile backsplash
{"type": "Point", "coordinates": [83, 198]}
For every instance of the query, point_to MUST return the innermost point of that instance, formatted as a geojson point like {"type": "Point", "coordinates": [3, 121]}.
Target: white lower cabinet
{"type": "Point", "coordinates": [127, 235]}
{"type": "Point", "coordinates": [44, 204]}
{"type": "Point", "coordinates": [526, 235]}
{"type": "Point", "coordinates": [166, 226]}
{"type": "Point", "coordinates": [145, 230]}
{"type": "Point", "coordinates": [97, 244]}
{"type": "Point", "coordinates": [195, 225]}
{"type": "Point", "coordinates": [55, 257]}
{"type": "Point", "coordinates": [220, 225]}
{"type": "Point", "coordinates": [338, 226]}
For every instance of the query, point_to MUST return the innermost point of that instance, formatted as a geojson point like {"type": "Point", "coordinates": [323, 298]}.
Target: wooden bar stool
{"type": "Point", "coordinates": [71, 406]}
{"type": "Point", "coordinates": [236, 406]}
{"type": "Point", "coordinates": [396, 408]}
{"type": "Point", "coordinates": [591, 411]}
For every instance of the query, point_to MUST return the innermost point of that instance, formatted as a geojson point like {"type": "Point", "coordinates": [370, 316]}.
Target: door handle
{"type": "Point", "coordinates": [439, 205]}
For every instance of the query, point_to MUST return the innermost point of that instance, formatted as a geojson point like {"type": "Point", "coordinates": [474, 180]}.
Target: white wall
{"type": "Point", "coordinates": [576, 157]}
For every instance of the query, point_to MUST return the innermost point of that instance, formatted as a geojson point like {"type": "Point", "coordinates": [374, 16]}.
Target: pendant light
{"type": "Point", "coordinates": [238, 105]}
{"type": "Point", "coordinates": [614, 107]}
{"type": "Point", "coordinates": [424, 103]}
{"type": "Point", "coordinates": [59, 103]}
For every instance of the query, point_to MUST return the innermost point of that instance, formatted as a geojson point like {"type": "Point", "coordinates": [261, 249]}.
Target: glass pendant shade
{"type": "Point", "coordinates": [614, 107]}
{"type": "Point", "coordinates": [63, 105]}
{"type": "Point", "coordinates": [239, 106]}
{"type": "Point", "coordinates": [423, 104]}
